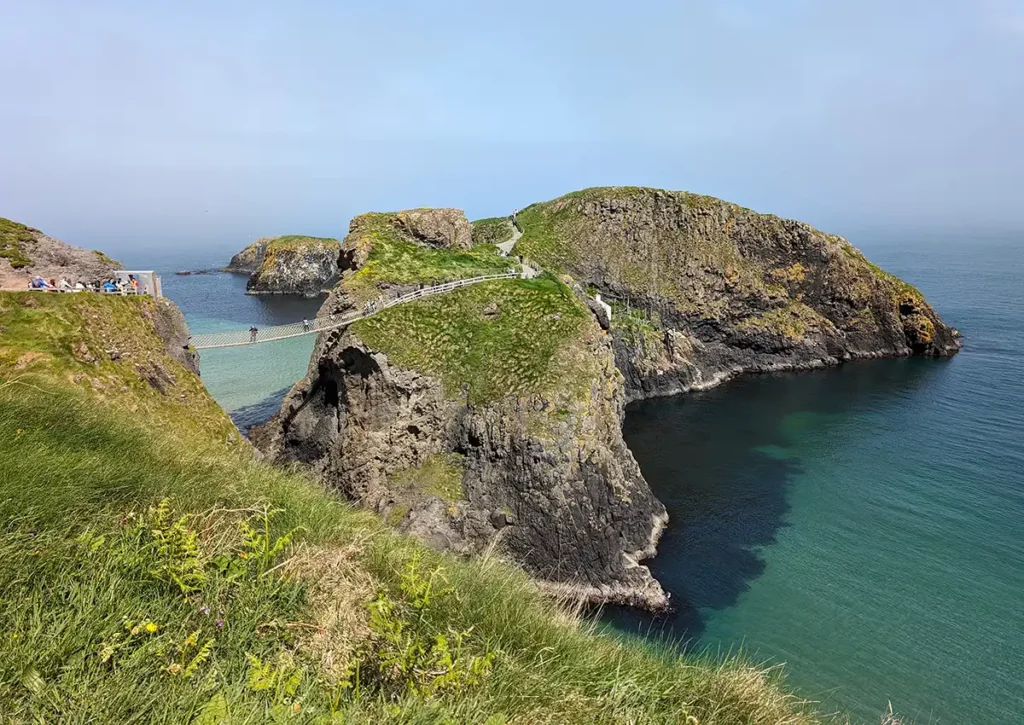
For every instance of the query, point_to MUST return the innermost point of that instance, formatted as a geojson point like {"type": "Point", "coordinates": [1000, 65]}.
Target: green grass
{"type": "Point", "coordinates": [298, 241]}
{"type": "Point", "coordinates": [105, 343]}
{"type": "Point", "coordinates": [116, 608]}
{"type": "Point", "coordinates": [396, 260]}
{"type": "Point", "coordinates": [542, 241]}
{"type": "Point", "coordinates": [13, 237]}
{"type": "Point", "coordinates": [492, 231]}
{"type": "Point", "coordinates": [499, 338]}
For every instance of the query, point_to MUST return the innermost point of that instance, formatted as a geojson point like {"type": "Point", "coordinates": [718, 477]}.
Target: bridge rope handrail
{"type": "Point", "coordinates": [238, 338]}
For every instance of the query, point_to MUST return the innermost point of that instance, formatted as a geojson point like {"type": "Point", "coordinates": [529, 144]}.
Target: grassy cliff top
{"type": "Point", "coordinates": [493, 341]}
{"type": "Point", "coordinates": [13, 237]}
{"type": "Point", "coordinates": [150, 573]}
{"type": "Point", "coordinates": [297, 241]}
{"type": "Point", "coordinates": [501, 339]}
{"type": "Point", "coordinates": [394, 258]}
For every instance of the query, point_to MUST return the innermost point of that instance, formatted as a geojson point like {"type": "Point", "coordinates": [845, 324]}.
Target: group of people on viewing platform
{"type": "Point", "coordinates": [108, 286]}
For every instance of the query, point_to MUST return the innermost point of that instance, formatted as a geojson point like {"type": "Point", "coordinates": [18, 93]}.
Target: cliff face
{"type": "Point", "coordinates": [26, 252]}
{"type": "Point", "coordinates": [294, 265]}
{"type": "Point", "coordinates": [249, 259]}
{"type": "Point", "coordinates": [488, 415]}
{"type": "Point", "coordinates": [703, 289]}
{"type": "Point", "coordinates": [170, 326]}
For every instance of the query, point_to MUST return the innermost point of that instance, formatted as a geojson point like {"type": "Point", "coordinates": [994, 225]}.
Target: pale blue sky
{"type": "Point", "coordinates": [205, 124]}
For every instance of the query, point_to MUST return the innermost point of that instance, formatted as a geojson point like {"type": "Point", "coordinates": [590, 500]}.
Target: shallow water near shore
{"type": "Point", "coordinates": [862, 525]}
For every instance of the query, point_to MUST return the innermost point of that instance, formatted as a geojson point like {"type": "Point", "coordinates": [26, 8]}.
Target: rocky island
{"type": "Point", "coordinates": [288, 265]}
{"type": "Point", "coordinates": [492, 415]}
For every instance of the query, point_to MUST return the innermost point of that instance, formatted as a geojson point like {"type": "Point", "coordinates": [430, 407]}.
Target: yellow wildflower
{"type": "Point", "coordinates": [18, 432]}
{"type": "Point", "coordinates": [152, 627]}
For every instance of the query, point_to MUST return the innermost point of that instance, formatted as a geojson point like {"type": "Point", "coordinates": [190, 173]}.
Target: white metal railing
{"type": "Point", "coordinates": [234, 338]}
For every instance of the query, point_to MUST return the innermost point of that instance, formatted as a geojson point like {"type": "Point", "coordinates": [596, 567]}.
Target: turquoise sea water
{"type": "Point", "coordinates": [248, 382]}
{"type": "Point", "coordinates": [864, 526]}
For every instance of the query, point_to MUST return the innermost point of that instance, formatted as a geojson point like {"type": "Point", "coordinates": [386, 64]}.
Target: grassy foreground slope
{"type": "Point", "coordinates": [152, 570]}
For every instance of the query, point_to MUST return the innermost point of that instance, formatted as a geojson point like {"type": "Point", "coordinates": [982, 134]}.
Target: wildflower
{"type": "Point", "coordinates": [296, 707]}
{"type": "Point", "coordinates": [205, 611]}
{"type": "Point", "coordinates": [220, 624]}
{"type": "Point", "coordinates": [152, 627]}
{"type": "Point", "coordinates": [242, 555]}
{"type": "Point", "coordinates": [174, 668]}
{"type": "Point", "coordinates": [18, 432]}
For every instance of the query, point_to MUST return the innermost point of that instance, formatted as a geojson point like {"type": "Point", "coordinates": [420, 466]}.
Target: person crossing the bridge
{"type": "Point", "coordinates": [253, 331]}
{"type": "Point", "coordinates": [305, 325]}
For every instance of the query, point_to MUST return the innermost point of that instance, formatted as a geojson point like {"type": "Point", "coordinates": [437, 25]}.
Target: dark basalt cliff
{"type": "Point", "coordinates": [492, 415]}
{"type": "Point", "coordinates": [249, 259]}
{"type": "Point", "coordinates": [703, 289]}
{"type": "Point", "coordinates": [289, 265]}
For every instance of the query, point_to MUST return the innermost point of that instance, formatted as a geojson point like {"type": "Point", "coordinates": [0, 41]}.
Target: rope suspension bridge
{"type": "Point", "coordinates": [237, 338]}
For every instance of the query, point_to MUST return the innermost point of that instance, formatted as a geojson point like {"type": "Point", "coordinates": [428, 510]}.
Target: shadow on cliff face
{"type": "Point", "coordinates": [723, 463]}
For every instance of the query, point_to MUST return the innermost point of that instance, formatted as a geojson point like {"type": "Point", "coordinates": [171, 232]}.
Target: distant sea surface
{"type": "Point", "coordinates": [863, 525]}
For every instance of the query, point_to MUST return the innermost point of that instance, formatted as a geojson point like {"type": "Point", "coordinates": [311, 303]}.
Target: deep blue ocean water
{"type": "Point", "coordinates": [864, 525]}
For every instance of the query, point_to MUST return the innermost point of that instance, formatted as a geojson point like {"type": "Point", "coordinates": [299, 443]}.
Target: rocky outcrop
{"type": "Point", "coordinates": [169, 324]}
{"type": "Point", "coordinates": [249, 259]}
{"type": "Point", "coordinates": [294, 265]}
{"type": "Point", "coordinates": [538, 469]}
{"type": "Point", "coordinates": [706, 289]}
{"type": "Point", "coordinates": [437, 227]}
{"type": "Point", "coordinates": [26, 252]}
{"type": "Point", "coordinates": [567, 502]}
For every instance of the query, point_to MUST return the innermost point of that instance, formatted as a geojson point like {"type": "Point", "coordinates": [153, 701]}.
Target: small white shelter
{"type": "Point", "coordinates": [149, 282]}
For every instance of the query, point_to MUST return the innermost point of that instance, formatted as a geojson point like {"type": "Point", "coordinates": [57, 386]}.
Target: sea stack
{"type": "Point", "coordinates": [289, 265]}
